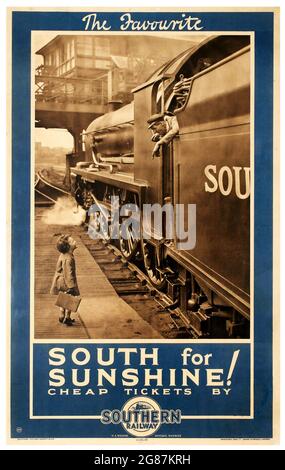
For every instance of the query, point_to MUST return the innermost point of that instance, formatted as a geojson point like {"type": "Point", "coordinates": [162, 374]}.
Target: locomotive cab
{"type": "Point", "coordinates": [168, 90]}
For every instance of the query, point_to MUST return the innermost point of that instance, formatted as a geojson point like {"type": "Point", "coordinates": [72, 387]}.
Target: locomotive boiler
{"type": "Point", "coordinates": [207, 164]}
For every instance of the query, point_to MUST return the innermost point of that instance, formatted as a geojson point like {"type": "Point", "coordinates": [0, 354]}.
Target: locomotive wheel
{"type": "Point", "coordinates": [99, 227]}
{"type": "Point", "coordinates": [152, 265]}
{"type": "Point", "coordinates": [128, 243]}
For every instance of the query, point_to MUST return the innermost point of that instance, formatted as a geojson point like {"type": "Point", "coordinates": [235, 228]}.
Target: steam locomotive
{"type": "Point", "coordinates": [207, 164]}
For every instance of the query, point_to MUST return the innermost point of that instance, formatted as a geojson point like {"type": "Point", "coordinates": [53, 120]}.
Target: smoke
{"type": "Point", "coordinates": [64, 212]}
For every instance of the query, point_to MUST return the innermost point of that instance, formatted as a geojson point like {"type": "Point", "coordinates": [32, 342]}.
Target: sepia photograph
{"type": "Point", "coordinates": [142, 150]}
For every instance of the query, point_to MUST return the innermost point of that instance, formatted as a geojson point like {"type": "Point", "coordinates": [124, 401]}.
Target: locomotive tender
{"type": "Point", "coordinates": [207, 164]}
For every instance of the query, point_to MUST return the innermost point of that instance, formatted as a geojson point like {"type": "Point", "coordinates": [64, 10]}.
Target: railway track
{"type": "Point", "coordinates": [46, 192]}
{"type": "Point", "coordinates": [133, 286]}
{"type": "Point", "coordinates": [128, 279]}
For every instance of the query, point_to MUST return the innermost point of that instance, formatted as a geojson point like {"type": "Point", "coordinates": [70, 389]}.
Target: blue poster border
{"type": "Point", "coordinates": [262, 24]}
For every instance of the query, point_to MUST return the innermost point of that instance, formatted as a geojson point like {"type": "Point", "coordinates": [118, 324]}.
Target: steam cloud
{"type": "Point", "coordinates": [64, 212]}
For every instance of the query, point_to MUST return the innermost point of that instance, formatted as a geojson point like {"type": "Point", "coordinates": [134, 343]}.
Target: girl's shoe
{"type": "Point", "coordinates": [68, 321]}
{"type": "Point", "coordinates": [61, 319]}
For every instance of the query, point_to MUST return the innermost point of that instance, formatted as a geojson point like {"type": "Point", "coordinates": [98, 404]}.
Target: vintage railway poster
{"type": "Point", "coordinates": [144, 155]}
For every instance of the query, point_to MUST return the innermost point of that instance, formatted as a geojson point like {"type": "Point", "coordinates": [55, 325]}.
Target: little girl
{"type": "Point", "coordinates": [65, 275]}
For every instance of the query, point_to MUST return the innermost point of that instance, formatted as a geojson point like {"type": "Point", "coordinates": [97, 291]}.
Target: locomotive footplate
{"type": "Point", "coordinates": [124, 181]}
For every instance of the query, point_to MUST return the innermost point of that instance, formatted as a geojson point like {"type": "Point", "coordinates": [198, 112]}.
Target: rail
{"type": "Point", "coordinates": [47, 190]}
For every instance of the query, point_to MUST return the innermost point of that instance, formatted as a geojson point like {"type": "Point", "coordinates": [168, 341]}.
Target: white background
{"type": "Point", "coordinates": [4, 289]}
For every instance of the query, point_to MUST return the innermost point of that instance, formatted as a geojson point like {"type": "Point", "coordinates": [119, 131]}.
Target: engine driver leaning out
{"type": "Point", "coordinates": [164, 128]}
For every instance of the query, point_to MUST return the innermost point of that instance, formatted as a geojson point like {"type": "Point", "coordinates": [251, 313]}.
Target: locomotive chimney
{"type": "Point", "coordinates": [113, 105]}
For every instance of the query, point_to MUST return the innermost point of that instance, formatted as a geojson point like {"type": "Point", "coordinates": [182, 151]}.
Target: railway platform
{"type": "Point", "coordinates": [102, 313]}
